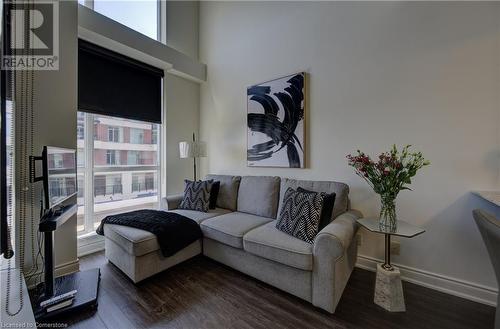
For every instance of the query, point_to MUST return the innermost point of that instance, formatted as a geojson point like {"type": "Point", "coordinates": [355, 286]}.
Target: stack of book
{"type": "Point", "coordinates": [58, 302]}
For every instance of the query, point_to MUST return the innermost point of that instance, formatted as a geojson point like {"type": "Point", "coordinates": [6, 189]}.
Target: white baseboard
{"type": "Point", "coordinates": [461, 288]}
{"type": "Point", "coordinates": [90, 248]}
{"type": "Point", "coordinates": [90, 244]}
{"type": "Point", "coordinates": [67, 268]}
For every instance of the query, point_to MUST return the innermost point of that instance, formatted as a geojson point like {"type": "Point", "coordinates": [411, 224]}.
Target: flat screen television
{"type": "Point", "coordinates": [60, 180]}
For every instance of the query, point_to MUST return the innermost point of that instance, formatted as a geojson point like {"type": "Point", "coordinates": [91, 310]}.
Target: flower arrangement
{"type": "Point", "coordinates": [388, 176]}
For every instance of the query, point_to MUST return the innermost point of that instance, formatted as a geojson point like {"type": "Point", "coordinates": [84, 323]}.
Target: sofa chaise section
{"type": "Point", "coordinates": [137, 252]}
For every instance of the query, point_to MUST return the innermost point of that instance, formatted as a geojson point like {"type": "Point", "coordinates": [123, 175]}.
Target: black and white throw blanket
{"type": "Point", "coordinates": [173, 231]}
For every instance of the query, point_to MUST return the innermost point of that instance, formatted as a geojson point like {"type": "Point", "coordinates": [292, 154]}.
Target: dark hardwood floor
{"type": "Point", "coordinates": [201, 293]}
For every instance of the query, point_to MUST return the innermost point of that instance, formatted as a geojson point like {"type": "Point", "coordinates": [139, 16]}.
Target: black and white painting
{"type": "Point", "coordinates": [276, 128]}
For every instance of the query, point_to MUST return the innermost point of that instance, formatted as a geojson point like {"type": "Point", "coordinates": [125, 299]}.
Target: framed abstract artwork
{"type": "Point", "coordinates": [276, 122]}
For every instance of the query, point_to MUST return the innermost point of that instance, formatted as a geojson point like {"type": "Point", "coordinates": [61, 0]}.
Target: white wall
{"type": "Point", "coordinates": [182, 117]}
{"type": "Point", "coordinates": [55, 103]}
{"type": "Point", "coordinates": [61, 132]}
{"type": "Point", "coordinates": [183, 26]}
{"type": "Point", "coordinates": [182, 97]}
{"type": "Point", "coordinates": [425, 74]}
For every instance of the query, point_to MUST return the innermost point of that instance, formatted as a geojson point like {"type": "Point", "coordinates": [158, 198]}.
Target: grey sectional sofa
{"type": "Point", "coordinates": [241, 233]}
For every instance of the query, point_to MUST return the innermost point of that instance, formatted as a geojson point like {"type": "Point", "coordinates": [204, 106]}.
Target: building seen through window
{"type": "Point", "coordinates": [121, 164]}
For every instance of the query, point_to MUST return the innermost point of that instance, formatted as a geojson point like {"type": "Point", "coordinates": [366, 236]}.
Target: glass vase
{"type": "Point", "coordinates": [388, 220]}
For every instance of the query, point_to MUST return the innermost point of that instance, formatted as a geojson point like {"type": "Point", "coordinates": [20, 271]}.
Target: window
{"type": "Point", "coordinates": [143, 182]}
{"type": "Point", "coordinates": [111, 157]}
{"type": "Point", "coordinates": [114, 134]}
{"type": "Point", "coordinates": [107, 185]}
{"type": "Point", "coordinates": [61, 186]}
{"type": "Point", "coordinates": [118, 173]}
{"type": "Point", "coordinates": [154, 134]}
{"type": "Point", "coordinates": [80, 128]}
{"type": "Point", "coordinates": [134, 158]}
{"type": "Point", "coordinates": [140, 15]}
{"type": "Point", "coordinates": [80, 159]}
{"type": "Point", "coordinates": [58, 161]}
{"type": "Point", "coordinates": [136, 136]}
{"type": "Point", "coordinates": [81, 188]}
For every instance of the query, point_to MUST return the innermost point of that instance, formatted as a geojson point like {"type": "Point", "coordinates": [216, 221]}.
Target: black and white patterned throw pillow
{"type": "Point", "coordinates": [300, 214]}
{"type": "Point", "coordinates": [196, 195]}
{"type": "Point", "coordinates": [326, 210]}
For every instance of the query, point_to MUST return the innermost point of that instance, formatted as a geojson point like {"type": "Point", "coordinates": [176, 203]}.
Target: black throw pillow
{"type": "Point", "coordinates": [326, 211]}
{"type": "Point", "coordinates": [300, 214]}
{"type": "Point", "coordinates": [196, 195]}
{"type": "Point", "coordinates": [214, 193]}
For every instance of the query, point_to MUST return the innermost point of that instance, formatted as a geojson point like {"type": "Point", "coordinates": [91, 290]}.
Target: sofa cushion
{"type": "Point", "coordinates": [199, 216]}
{"type": "Point", "coordinates": [133, 240]}
{"type": "Point", "coordinates": [259, 195]}
{"type": "Point", "coordinates": [341, 191]}
{"type": "Point", "coordinates": [230, 228]}
{"type": "Point", "coordinates": [139, 242]}
{"type": "Point", "coordinates": [268, 242]}
{"type": "Point", "coordinates": [228, 191]}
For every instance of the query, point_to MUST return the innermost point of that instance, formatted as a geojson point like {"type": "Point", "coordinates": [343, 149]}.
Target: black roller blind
{"type": "Point", "coordinates": [115, 85]}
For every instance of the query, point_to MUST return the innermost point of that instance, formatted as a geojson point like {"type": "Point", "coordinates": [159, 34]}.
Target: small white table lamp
{"type": "Point", "coordinates": [193, 150]}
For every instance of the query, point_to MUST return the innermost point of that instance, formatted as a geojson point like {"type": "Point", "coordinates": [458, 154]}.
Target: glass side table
{"type": "Point", "coordinates": [388, 287]}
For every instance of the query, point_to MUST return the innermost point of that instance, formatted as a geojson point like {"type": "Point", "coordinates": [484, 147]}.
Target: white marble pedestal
{"type": "Point", "coordinates": [389, 290]}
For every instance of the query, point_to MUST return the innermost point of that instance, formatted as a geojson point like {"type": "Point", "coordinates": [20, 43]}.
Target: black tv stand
{"type": "Point", "coordinates": [85, 282]}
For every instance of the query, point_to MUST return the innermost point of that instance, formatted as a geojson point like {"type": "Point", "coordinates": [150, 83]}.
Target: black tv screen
{"type": "Point", "coordinates": [60, 176]}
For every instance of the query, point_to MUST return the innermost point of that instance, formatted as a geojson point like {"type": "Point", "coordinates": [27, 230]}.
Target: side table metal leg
{"type": "Point", "coordinates": [387, 264]}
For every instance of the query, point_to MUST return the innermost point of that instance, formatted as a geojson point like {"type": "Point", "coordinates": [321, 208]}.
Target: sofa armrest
{"type": "Point", "coordinates": [334, 256]}
{"type": "Point", "coordinates": [171, 202]}
{"type": "Point", "coordinates": [337, 235]}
